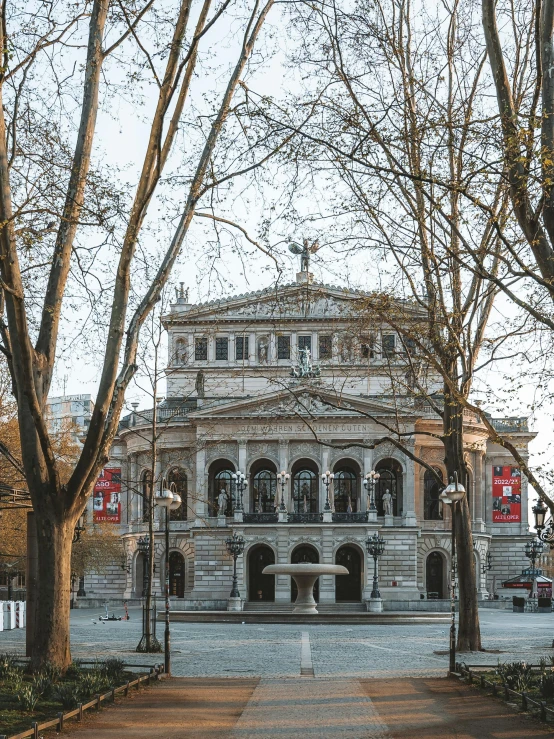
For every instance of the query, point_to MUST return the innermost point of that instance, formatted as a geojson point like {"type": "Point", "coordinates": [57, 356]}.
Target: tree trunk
{"type": "Point", "coordinates": [469, 634]}
{"type": "Point", "coordinates": [54, 542]}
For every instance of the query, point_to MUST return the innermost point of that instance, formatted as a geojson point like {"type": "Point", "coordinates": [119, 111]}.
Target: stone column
{"type": "Point", "coordinates": [322, 489]}
{"type": "Point", "coordinates": [284, 467]}
{"type": "Point", "coordinates": [232, 353]}
{"type": "Point", "coordinates": [327, 582]}
{"type": "Point", "coordinates": [201, 475]}
{"type": "Point", "coordinates": [367, 467]}
{"type": "Point", "coordinates": [477, 478]}
{"type": "Point", "coordinates": [132, 489]}
{"type": "Point", "coordinates": [242, 467]}
{"type": "Point", "coordinates": [408, 493]}
{"type": "Point", "coordinates": [252, 358]}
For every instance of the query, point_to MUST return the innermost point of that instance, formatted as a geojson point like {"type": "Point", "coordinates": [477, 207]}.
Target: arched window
{"type": "Point", "coordinates": [432, 506]}
{"type": "Point", "coordinates": [264, 486]}
{"type": "Point", "coordinates": [220, 482]}
{"type": "Point", "coordinates": [390, 479]}
{"type": "Point", "coordinates": [177, 482]}
{"type": "Point", "coordinates": [146, 493]}
{"type": "Point", "coordinates": [176, 574]}
{"type": "Point", "coordinates": [345, 486]}
{"type": "Point", "coordinates": [305, 489]}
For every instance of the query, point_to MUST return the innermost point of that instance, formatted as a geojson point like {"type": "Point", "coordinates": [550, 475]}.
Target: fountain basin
{"type": "Point", "coordinates": [305, 575]}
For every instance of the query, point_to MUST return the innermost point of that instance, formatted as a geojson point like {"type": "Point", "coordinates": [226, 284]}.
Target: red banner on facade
{"type": "Point", "coordinates": [107, 496]}
{"type": "Point", "coordinates": [506, 494]}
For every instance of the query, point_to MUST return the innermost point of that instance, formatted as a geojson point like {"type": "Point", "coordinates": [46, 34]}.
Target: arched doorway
{"type": "Point", "coordinates": [304, 553]}
{"type": "Point", "coordinates": [176, 575]}
{"type": "Point", "coordinates": [348, 588]}
{"type": "Point", "coordinates": [260, 587]}
{"type": "Point", "coordinates": [305, 486]}
{"type": "Point", "coordinates": [434, 569]}
{"type": "Point", "coordinates": [220, 480]}
{"type": "Point", "coordinates": [345, 488]}
{"type": "Point", "coordinates": [390, 478]}
{"type": "Point", "coordinates": [431, 491]}
{"type": "Point", "coordinates": [263, 484]}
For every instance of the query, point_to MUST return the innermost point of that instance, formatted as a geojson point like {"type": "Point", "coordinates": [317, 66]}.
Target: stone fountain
{"type": "Point", "coordinates": [305, 574]}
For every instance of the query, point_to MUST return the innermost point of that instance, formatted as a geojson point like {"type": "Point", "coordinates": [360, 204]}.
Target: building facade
{"type": "Point", "coordinates": [283, 380]}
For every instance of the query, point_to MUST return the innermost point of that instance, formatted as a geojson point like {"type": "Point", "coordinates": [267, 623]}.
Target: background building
{"type": "Point", "coordinates": [69, 413]}
{"type": "Point", "coordinates": [244, 394]}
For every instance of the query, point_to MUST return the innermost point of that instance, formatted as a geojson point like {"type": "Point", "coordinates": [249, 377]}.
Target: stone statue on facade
{"type": "Point", "coordinates": [262, 351]}
{"type": "Point", "coordinates": [304, 251]}
{"type": "Point", "coordinates": [222, 502]}
{"type": "Point", "coordinates": [387, 503]}
{"type": "Point", "coordinates": [305, 367]}
{"type": "Point", "coordinates": [199, 384]}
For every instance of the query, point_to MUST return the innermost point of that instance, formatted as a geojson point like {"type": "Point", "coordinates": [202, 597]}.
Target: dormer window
{"type": "Point", "coordinates": [201, 349]}
{"type": "Point", "coordinates": [222, 348]}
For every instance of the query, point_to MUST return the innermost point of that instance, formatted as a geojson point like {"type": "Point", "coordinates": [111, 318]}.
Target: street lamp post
{"type": "Point", "coordinates": [235, 547]}
{"type": "Point", "coordinates": [240, 481]}
{"type": "Point", "coordinates": [486, 566]}
{"type": "Point", "coordinates": [453, 493]}
{"type": "Point", "coordinates": [375, 548]}
{"type": "Point", "coordinates": [370, 480]}
{"type": "Point", "coordinates": [170, 501]}
{"type": "Point", "coordinates": [143, 545]}
{"type": "Point", "coordinates": [533, 551]}
{"type": "Point", "coordinates": [283, 478]}
{"type": "Point", "coordinates": [544, 533]}
{"type": "Point", "coordinates": [327, 478]}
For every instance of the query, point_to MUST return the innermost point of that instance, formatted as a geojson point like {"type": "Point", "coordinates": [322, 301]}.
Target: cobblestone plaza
{"type": "Point", "coordinates": [275, 650]}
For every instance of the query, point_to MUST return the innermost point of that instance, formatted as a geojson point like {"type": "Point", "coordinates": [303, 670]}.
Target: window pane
{"type": "Point", "coordinates": [345, 486]}
{"type": "Point", "coordinates": [201, 349]}
{"type": "Point", "coordinates": [241, 347]}
{"type": "Point", "coordinates": [305, 342]}
{"type": "Point", "coordinates": [222, 348]}
{"type": "Point", "coordinates": [325, 347]}
{"type": "Point", "coordinates": [305, 486]}
{"type": "Point", "coordinates": [283, 347]}
{"type": "Point", "coordinates": [265, 485]}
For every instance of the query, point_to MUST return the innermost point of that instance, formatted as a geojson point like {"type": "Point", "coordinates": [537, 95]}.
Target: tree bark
{"type": "Point", "coordinates": [51, 637]}
{"type": "Point", "coordinates": [469, 634]}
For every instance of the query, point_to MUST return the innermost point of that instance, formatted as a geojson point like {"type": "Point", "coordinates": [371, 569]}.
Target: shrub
{"type": "Point", "coordinates": [92, 683]}
{"type": "Point", "coordinates": [53, 672]}
{"type": "Point", "coordinates": [114, 667]}
{"type": "Point", "coordinates": [68, 695]}
{"type": "Point", "coordinates": [43, 685]}
{"type": "Point", "coordinates": [75, 670]}
{"type": "Point", "coordinates": [546, 685]}
{"type": "Point", "coordinates": [516, 675]}
{"type": "Point", "coordinates": [7, 664]}
{"type": "Point", "coordinates": [28, 696]}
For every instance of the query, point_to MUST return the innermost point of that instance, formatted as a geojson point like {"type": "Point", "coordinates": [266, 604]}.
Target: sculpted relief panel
{"type": "Point", "coordinates": [221, 449]}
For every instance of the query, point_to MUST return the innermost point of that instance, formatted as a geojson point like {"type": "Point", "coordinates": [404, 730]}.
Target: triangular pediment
{"type": "Point", "coordinates": [315, 300]}
{"type": "Point", "coordinates": [303, 401]}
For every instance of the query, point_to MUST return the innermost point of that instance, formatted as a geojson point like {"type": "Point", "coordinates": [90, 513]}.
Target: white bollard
{"type": "Point", "coordinates": [9, 615]}
{"type": "Point", "coordinates": [19, 614]}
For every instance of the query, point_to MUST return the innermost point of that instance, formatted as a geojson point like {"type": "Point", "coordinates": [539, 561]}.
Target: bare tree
{"type": "Point", "coordinates": [30, 331]}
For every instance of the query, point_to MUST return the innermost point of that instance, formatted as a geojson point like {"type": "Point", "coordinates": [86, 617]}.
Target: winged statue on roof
{"type": "Point", "coordinates": [305, 252]}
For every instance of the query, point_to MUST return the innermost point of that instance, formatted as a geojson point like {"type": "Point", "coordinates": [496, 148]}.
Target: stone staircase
{"type": "Point", "coordinates": [321, 607]}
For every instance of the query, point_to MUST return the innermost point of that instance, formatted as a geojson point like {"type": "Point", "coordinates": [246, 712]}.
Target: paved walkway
{"type": "Point", "coordinates": [347, 708]}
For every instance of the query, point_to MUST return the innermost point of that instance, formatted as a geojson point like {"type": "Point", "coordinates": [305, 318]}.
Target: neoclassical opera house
{"type": "Point", "coordinates": [281, 380]}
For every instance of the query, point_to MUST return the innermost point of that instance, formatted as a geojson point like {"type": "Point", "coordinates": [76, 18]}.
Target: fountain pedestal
{"type": "Point", "coordinates": [305, 576]}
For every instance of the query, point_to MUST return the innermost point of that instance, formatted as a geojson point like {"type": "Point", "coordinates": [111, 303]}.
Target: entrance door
{"type": "Point", "coordinates": [260, 587]}
{"type": "Point", "coordinates": [435, 575]}
{"type": "Point", "coordinates": [304, 553]}
{"type": "Point", "coordinates": [176, 575]}
{"type": "Point", "coordinates": [348, 588]}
